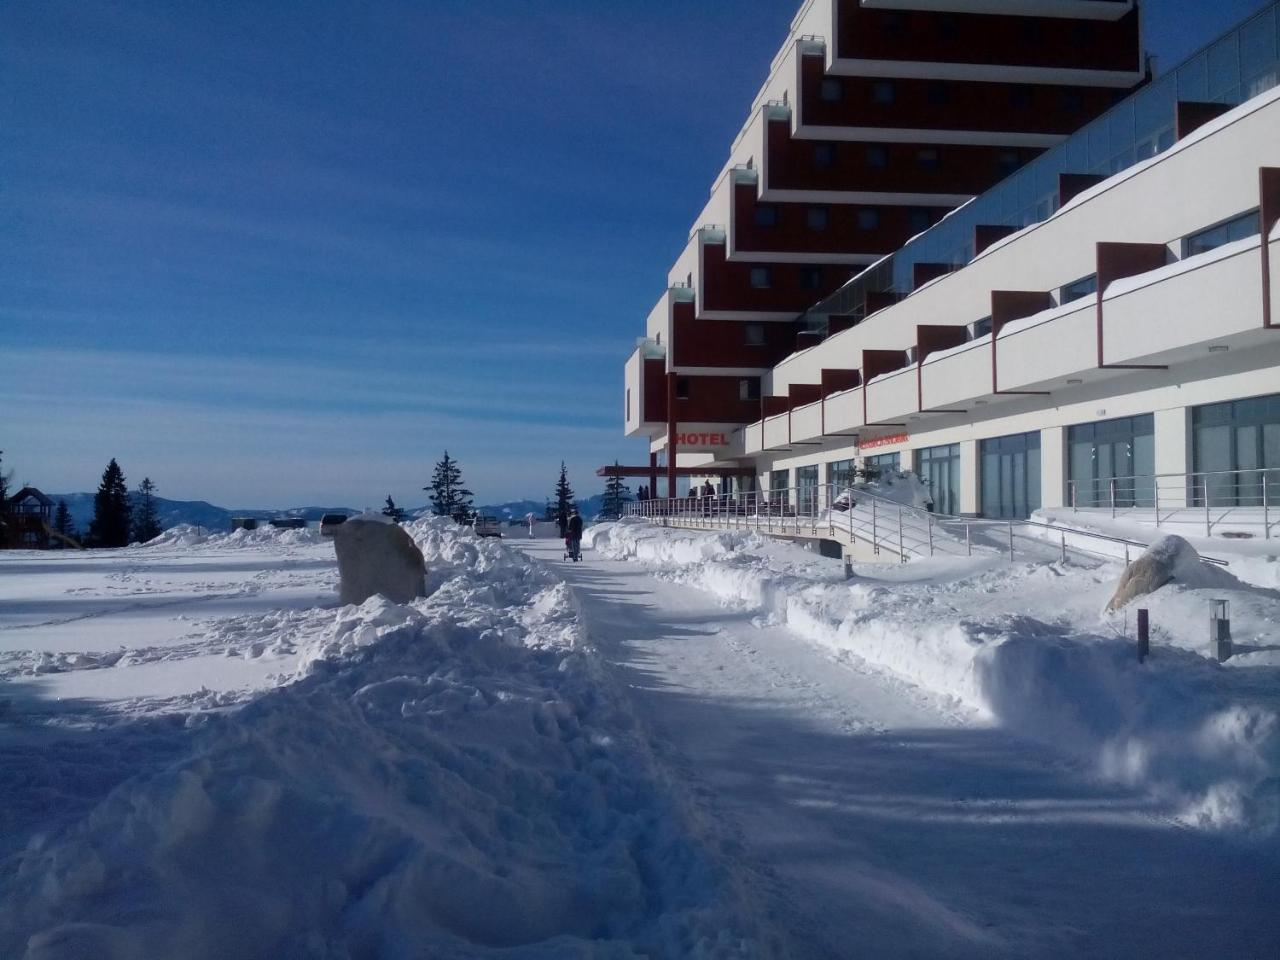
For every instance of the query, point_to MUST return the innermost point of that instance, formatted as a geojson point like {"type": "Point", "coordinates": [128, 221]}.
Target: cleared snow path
{"type": "Point", "coordinates": [874, 822]}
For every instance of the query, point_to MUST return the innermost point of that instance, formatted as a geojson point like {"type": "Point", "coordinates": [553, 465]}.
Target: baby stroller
{"type": "Point", "coordinates": [572, 549]}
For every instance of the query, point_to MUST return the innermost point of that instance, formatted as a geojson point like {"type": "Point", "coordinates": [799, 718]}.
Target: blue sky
{"type": "Point", "coordinates": [283, 253]}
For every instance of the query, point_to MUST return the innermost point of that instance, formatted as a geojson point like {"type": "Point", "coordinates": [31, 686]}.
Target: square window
{"type": "Point", "coordinates": [1009, 161]}
{"type": "Point", "coordinates": [761, 278]}
{"type": "Point", "coordinates": [832, 90]}
{"type": "Point", "coordinates": [939, 94]}
{"type": "Point", "coordinates": [877, 157]}
{"type": "Point", "coordinates": [927, 158]}
{"type": "Point", "coordinates": [682, 388]}
{"type": "Point", "coordinates": [883, 92]}
{"type": "Point", "coordinates": [766, 215]}
{"type": "Point", "coordinates": [817, 218]}
{"type": "Point", "coordinates": [824, 155]}
{"type": "Point", "coordinates": [810, 278]}
{"type": "Point", "coordinates": [1079, 289]}
{"type": "Point", "coordinates": [868, 219]}
{"type": "Point", "coordinates": [753, 334]}
{"type": "Point", "coordinates": [749, 388]}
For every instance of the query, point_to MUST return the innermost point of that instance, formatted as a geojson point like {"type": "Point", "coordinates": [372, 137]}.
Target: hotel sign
{"type": "Point", "coordinates": [883, 441]}
{"type": "Point", "coordinates": [702, 440]}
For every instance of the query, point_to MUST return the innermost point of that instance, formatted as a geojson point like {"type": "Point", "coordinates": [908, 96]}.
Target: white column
{"type": "Point", "coordinates": [1172, 452]}
{"type": "Point", "coordinates": [969, 477]}
{"type": "Point", "coordinates": [1053, 467]}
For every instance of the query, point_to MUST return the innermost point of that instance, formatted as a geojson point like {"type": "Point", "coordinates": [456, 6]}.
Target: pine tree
{"type": "Point", "coordinates": [392, 511]}
{"type": "Point", "coordinates": [564, 496]}
{"type": "Point", "coordinates": [62, 520]}
{"type": "Point", "coordinates": [4, 499]}
{"type": "Point", "coordinates": [112, 514]}
{"type": "Point", "coordinates": [146, 525]}
{"type": "Point", "coordinates": [616, 494]}
{"type": "Point", "coordinates": [449, 498]}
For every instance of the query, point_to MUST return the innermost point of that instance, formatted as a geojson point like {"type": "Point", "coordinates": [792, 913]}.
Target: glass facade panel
{"type": "Point", "coordinates": [940, 470]}
{"type": "Point", "coordinates": [1112, 462]}
{"type": "Point", "coordinates": [1010, 476]}
{"type": "Point", "coordinates": [883, 463]}
{"type": "Point", "coordinates": [840, 474]}
{"type": "Point", "coordinates": [1229, 437]}
{"type": "Point", "coordinates": [807, 488]}
{"type": "Point", "coordinates": [779, 481]}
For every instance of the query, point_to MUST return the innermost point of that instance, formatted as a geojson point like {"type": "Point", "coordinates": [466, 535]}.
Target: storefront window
{"type": "Point", "coordinates": [1231, 439]}
{"type": "Point", "coordinates": [1112, 462]}
{"type": "Point", "coordinates": [940, 470]}
{"type": "Point", "coordinates": [1010, 471]}
{"type": "Point", "coordinates": [841, 474]}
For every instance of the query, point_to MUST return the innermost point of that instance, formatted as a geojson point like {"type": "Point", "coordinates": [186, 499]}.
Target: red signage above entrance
{"type": "Point", "coordinates": [883, 441]}
{"type": "Point", "coordinates": [701, 440]}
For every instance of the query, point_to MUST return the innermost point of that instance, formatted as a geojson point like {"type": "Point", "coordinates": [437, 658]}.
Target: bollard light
{"type": "Point", "coordinates": [1220, 630]}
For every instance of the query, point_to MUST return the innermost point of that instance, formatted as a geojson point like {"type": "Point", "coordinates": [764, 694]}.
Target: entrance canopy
{"type": "Point", "coordinates": [615, 471]}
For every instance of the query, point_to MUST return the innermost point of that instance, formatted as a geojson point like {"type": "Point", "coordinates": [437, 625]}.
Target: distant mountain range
{"type": "Point", "coordinates": [204, 514]}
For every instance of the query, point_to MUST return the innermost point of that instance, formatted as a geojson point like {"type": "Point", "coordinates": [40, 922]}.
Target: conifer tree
{"type": "Point", "coordinates": [392, 511]}
{"type": "Point", "coordinates": [4, 498]}
{"type": "Point", "coordinates": [449, 498]}
{"type": "Point", "coordinates": [564, 496]}
{"type": "Point", "coordinates": [62, 520]}
{"type": "Point", "coordinates": [112, 514]}
{"type": "Point", "coordinates": [616, 494]}
{"type": "Point", "coordinates": [146, 525]}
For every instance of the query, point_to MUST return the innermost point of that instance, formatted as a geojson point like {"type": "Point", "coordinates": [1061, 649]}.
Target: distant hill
{"type": "Point", "coordinates": [589, 507]}
{"type": "Point", "coordinates": [196, 512]}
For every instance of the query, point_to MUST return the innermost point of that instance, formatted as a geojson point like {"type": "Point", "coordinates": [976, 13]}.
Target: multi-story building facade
{"type": "Point", "coordinates": [876, 120]}
{"type": "Point", "coordinates": [1105, 310]}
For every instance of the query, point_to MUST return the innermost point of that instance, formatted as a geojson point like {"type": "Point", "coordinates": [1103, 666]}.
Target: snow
{"type": "Point", "coordinates": [1028, 647]}
{"type": "Point", "coordinates": [689, 745]}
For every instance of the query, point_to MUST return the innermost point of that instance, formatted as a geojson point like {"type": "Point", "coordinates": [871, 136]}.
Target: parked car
{"type": "Point", "coordinates": [487, 526]}
{"type": "Point", "coordinates": [330, 521]}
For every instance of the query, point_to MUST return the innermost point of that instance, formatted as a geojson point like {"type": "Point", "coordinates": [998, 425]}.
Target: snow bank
{"type": "Point", "coordinates": [454, 777]}
{"type": "Point", "coordinates": [1024, 646]}
{"type": "Point", "coordinates": [188, 535]}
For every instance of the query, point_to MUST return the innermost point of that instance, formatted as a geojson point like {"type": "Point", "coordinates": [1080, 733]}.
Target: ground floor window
{"type": "Point", "coordinates": [807, 489]}
{"type": "Point", "coordinates": [1010, 476]}
{"type": "Point", "coordinates": [1228, 441]}
{"type": "Point", "coordinates": [939, 468]}
{"type": "Point", "coordinates": [840, 474]}
{"type": "Point", "coordinates": [779, 480]}
{"type": "Point", "coordinates": [1112, 461]}
{"type": "Point", "coordinates": [882, 464]}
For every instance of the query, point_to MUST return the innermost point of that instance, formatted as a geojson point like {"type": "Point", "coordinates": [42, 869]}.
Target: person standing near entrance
{"type": "Point", "coordinates": [573, 535]}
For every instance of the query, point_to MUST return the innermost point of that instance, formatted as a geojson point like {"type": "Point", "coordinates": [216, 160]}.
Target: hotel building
{"type": "Point", "coordinates": [980, 241]}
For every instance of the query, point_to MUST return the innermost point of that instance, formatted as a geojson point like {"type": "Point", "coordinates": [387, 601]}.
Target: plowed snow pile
{"type": "Point", "coordinates": [446, 779]}
{"type": "Point", "coordinates": [1028, 647]}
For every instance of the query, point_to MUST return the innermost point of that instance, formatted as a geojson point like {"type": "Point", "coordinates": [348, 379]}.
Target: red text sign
{"type": "Point", "coordinates": [882, 441]}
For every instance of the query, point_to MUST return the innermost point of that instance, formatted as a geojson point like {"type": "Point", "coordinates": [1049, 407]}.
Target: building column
{"type": "Point", "coordinates": [671, 436]}
{"type": "Point", "coordinates": [653, 475]}
{"type": "Point", "coordinates": [1053, 467]}
{"type": "Point", "coordinates": [1173, 453]}
{"type": "Point", "coordinates": [969, 477]}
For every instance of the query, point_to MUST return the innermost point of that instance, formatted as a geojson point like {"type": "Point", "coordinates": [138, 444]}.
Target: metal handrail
{"type": "Point", "coordinates": [806, 511]}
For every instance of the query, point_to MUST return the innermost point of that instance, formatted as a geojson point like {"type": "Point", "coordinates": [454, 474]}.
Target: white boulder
{"type": "Point", "coordinates": [376, 556]}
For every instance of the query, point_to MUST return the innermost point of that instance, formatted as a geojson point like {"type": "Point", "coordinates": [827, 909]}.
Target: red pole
{"type": "Point", "coordinates": [653, 476]}
{"type": "Point", "coordinates": [671, 436]}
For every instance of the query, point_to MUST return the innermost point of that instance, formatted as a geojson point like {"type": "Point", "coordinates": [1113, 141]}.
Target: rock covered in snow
{"type": "Point", "coordinates": [376, 556]}
{"type": "Point", "coordinates": [1167, 560]}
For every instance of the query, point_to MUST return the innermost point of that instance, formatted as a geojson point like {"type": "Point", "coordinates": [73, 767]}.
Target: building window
{"type": "Point", "coordinates": [938, 94]}
{"type": "Point", "coordinates": [766, 215]}
{"type": "Point", "coordinates": [883, 464]}
{"type": "Point", "coordinates": [868, 219]}
{"type": "Point", "coordinates": [1009, 162]}
{"type": "Point", "coordinates": [927, 158]}
{"type": "Point", "coordinates": [817, 218]}
{"type": "Point", "coordinates": [1009, 470]}
{"type": "Point", "coordinates": [1079, 288]}
{"type": "Point", "coordinates": [939, 468]}
{"type": "Point", "coordinates": [832, 90]}
{"type": "Point", "coordinates": [883, 92]}
{"type": "Point", "coordinates": [753, 334]}
{"type": "Point", "coordinates": [749, 388]}
{"type": "Point", "coordinates": [1237, 228]}
{"type": "Point", "coordinates": [919, 219]}
{"type": "Point", "coordinates": [761, 278]}
{"type": "Point", "coordinates": [841, 474]}
{"type": "Point", "coordinates": [1021, 97]}
{"type": "Point", "coordinates": [980, 328]}
{"type": "Point", "coordinates": [682, 388]}
{"type": "Point", "coordinates": [824, 155]}
{"type": "Point", "coordinates": [810, 278]}
{"type": "Point", "coordinates": [1227, 438]}
{"type": "Point", "coordinates": [877, 157]}
{"type": "Point", "coordinates": [628, 404]}
{"type": "Point", "coordinates": [1112, 461]}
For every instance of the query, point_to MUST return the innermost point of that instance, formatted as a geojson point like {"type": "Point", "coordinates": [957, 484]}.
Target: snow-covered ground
{"type": "Point", "coordinates": [690, 745]}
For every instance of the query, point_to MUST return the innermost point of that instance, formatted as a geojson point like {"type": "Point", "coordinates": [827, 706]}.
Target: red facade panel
{"type": "Point", "coordinates": [728, 285]}
{"type": "Point", "coordinates": [947, 168]}
{"type": "Point", "coordinates": [1052, 42]}
{"type": "Point", "coordinates": [870, 230]}
{"type": "Point", "coordinates": [908, 103]}
{"type": "Point", "coordinates": [726, 343]}
{"type": "Point", "coordinates": [714, 400]}
{"type": "Point", "coordinates": [654, 391]}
